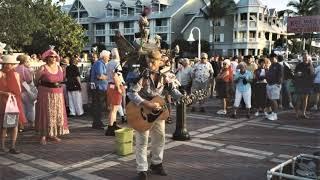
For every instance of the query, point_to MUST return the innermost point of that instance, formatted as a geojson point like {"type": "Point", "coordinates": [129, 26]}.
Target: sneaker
{"type": "Point", "coordinates": [256, 114]}
{"type": "Point", "coordinates": [142, 175]}
{"type": "Point", "coordinates": [314, 108]}
{"type": "Point", "coordinates": [158, 169]}
{"type": "Point", "coordinates": [271, 117]}
{"type": "Point", "coordinates": [266, 114]}
{"type": "Point", "coordinates": [275, 116]}
{"type": "Point", "coordinates": [291, 105]}
{"type": "Point", "coordinates": [222, 112]}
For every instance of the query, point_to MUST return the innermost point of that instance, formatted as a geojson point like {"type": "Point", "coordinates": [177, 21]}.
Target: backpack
{"type": "Point", "coordinates": [287, 72]}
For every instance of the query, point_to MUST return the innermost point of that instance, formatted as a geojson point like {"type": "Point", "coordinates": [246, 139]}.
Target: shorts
{"type": "Point", "coordinates": [196, 85]}
{"type": "Point", "coordinates": [316, 87]}
{"type": "Point", "coordinates": [113, 95]}
{"type": "Point", "coordinates": [246, 95]}
{"type": "Point", "coordinates": [273, 91]}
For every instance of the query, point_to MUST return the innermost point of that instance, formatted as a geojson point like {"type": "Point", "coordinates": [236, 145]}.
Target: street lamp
{"type": "Point", "coordinates": [191, 39]}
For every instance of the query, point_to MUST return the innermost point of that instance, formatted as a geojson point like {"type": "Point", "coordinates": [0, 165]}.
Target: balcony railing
{"type": "Point", "coordinates": [161, 29]}
{"type": "Point", "coordinates": [243, 23]}
{"type": "Point", "coordinates": [83, 20]}
{"type": "Point", "coordinates": [113, 31]}
{"type": "Point", "coordinates": [128, 30]}
{"type": "Point", "coordinates": [240, 40]}
{"type": "Point", "coordinates": [253, 24]}
{"type": "Point", "coordinates": [100, 32]}
{"type": "Point", "coordinates": [252, 39]}
{"type": "Point", "coordinates": [111, 44]}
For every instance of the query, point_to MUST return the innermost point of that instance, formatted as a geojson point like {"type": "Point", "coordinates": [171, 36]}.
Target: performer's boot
{"type": "Point", "coordinates": [158, 169]}
{"type": "Point", "coordinates": [111, 129]}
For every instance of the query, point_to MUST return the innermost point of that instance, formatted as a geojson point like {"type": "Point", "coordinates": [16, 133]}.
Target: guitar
{"type": "Point", "coordinates": [141, 119]}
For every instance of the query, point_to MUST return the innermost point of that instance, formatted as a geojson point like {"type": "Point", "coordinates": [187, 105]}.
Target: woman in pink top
{"type": "Point", "coordinates": [51, 117]}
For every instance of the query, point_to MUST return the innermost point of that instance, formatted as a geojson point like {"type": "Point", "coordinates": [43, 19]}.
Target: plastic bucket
{"type": "Point", "coordinates": [124, 135]}
{"type": "Point", "coordinates": [124, 141]}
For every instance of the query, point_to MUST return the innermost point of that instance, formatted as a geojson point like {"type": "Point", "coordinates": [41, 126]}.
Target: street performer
{"type": "Point", "coordinates": [152, 83]}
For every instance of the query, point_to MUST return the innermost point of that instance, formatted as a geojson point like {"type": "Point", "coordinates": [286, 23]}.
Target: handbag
{"type": "Point", "coordinates": [31, 89]}
{"type": "Point", "coordinates": [11, 113]}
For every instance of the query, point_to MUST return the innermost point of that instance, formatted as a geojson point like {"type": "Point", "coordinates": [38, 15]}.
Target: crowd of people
{"type": "Point", "coordinates": [263, 85]}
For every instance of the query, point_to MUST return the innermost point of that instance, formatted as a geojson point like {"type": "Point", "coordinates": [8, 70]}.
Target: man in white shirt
{"type": "Point", "coordinates": [202, 73]}
{"type": "Point", "coordinates": [184, 75]}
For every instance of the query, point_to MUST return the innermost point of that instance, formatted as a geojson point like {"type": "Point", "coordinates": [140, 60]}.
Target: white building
{"type": "Point", "coordinates": [102, 18]}
{"type": "Point", "coordinates": [252, 29]}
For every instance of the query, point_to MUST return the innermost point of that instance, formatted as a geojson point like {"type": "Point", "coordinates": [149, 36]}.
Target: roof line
{"type": "Point", "coordinates": [179, 9]}
{"type": "Point", "coordinates": [190, 21]}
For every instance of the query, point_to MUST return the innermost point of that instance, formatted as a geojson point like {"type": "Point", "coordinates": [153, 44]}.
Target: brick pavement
{"type": "Point", "coordinates": [221, 148]}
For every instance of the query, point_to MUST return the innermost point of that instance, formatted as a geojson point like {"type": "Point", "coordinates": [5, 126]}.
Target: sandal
{"type": "Point", "coordinates": [14, 151]}
{"type": "Point", "coordinates": [55, 139]}
{"type": "Point", "coordinates": [43, 141]}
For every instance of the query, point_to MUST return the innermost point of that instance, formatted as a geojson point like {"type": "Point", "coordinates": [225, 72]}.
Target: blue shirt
{"type": "Point", "coordinates": [240, 86]}
{"type": "Point", "coordinates": [98, 69]}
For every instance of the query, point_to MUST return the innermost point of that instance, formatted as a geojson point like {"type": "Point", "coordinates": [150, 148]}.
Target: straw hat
{"type": "Point", "coordinates": [9, 59]}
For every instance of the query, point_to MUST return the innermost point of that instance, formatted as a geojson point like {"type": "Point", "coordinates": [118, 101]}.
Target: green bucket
{"type": "Point", "coordinates": [124, 135]}
{"type": "Point", "coordinates": [124, 141]}
{"type": "Point", "coordinates": [124, 149]}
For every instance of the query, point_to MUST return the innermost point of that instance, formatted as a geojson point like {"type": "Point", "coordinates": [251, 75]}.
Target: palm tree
{"type": "Point", "coordinates": [304, 7]}
{"type": "Point", "coordinates": [218, 9]}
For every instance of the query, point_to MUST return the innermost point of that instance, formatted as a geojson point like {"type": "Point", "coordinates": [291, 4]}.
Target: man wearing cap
{"type": "Point", "coordinates": [100, 80]}
{"type": "Point", "coordinates": [151, 84]}
{"type": "Point", "coordinates": [274, 79]}
{"type": "Point", "coordinates": [202, 73]}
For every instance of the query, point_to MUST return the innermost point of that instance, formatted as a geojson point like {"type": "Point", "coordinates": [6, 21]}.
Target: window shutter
{"type": "Point", "coordinates": [221, 37]}
{"type": "Point", "coordinates": [222, 22]}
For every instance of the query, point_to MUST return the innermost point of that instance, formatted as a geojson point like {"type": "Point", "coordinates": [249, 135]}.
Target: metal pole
{"type": "Point", "coordinates": [181, 133]}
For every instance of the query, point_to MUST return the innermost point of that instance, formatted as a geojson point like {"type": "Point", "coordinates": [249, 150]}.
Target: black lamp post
{"type": "Point", "coordinates": [181, 133]}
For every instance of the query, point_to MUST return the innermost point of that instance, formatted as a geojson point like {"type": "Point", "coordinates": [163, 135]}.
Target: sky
{"type": "Point", "coordinates": [278, 4]}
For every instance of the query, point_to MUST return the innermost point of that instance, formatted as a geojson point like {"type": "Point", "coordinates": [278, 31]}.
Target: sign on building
{"type": "Point", "coordinates": [303, 24]}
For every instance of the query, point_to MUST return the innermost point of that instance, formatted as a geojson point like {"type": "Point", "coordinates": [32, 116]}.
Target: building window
{"type": "Point", "coordinates": [114, 25]}
{"type": "Point", "coordinates": [100, 39]}
{"type": "Point", "coordinates": [100, 26]}
{"type": "Point", "coordinates": [116, 12]}
{"type": "Point", "coordinates": [219, 38]}
{"type": "Point", "coordinates": [130, 11]}
{"type": "Point", "coordinates": [84, 14]}
{"type": "Point", "coordinates": [128, 24]}
{"type": "Point", "coordinates": [219, 22]}
{"type": "Point", "coordinates": [162, 7]}
{"type": "Point", "coordinates": [109, 12]}
{"type": "Point", "coordinates": [259, 35]}
{"type": "Point", "coordinates": [243, 17]}
{"type": "Point", "coordinates": [124, 11]}
{"type": "Point", "coordinates": [161, 22]}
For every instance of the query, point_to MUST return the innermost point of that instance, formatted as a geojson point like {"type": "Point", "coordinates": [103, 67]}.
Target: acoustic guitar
{"type": "Point", "coordinates": [141, 118]}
